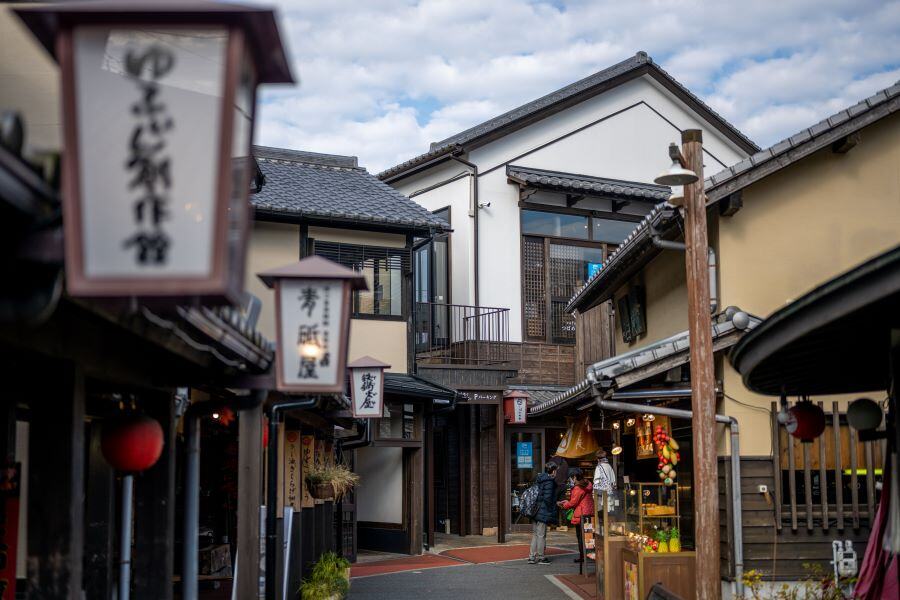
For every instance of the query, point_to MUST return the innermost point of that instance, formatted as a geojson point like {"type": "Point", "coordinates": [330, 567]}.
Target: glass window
{"type": "Point", "coordinates": [555, 224]}
{"type": "Point", "coordinates": [443, 213]}
{"type": "Point", "coordinates": [383, 269]}
{"type": "Point", "coordinates": [570, 268]}
{"type": "Point", "coordinates": [614, 232]}
{"type": "Point", "coordinates": [398, 422]}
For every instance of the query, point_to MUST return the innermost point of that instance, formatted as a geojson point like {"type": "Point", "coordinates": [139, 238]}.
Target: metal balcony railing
{"type": "Point", "coordinates": [461, 334]}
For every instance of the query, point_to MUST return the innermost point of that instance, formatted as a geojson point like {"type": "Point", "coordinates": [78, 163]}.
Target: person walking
{"type": "Point", "coordinates": [581, 502]}
{"type": "Point", "coordinates": [546, 515]}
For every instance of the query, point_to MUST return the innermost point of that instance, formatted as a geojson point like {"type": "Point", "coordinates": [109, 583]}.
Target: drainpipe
{"type": "Point", "coordinates": [274, 413]}
{"type": "Point", "coordinates": [189, 558]}
{"type": "Point", "coordinates": [475, 210]}
{"type": "Point", "coordinates": [736, 508]}
{"type": "Point", "coordinates": [360, 440]}
{"type": "Point", "coordinates": [713, 280]}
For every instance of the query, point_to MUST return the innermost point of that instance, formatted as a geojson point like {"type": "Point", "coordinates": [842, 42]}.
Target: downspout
{"type": "Point", "coordinates": [475, 210]}
{"type": "Point", "coordinates": [711, 261]}
{"type": "Point", "coordinates": [274, 414]}
{"type": "Point", "coordinates": [192, 416]}
{"type": "Point", "coordinates": [736, 510]}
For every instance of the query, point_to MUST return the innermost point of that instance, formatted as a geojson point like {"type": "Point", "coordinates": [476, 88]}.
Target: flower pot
{"type": "Point", "coordinates": [321, 491]}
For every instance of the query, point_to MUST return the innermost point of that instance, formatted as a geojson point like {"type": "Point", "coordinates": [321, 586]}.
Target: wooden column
{"type": "Point", "coordinates": [703, 401]}
{"type": "Point", "coordinates": [249, 500]}
{"type": "Point", "coordinates": [56, 485]}
{"type": "Point", "coordinates": [502, 496]}
{"type": "Point", "coordinates": [100, 533]}
{"type": "Point", "coordinates": [153, 556]}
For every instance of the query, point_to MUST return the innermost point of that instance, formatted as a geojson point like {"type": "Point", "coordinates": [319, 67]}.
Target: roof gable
{"type": "Point", "coordinates": [636, 66]}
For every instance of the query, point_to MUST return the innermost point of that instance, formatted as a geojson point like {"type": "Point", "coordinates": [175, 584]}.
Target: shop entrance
{"type": "Point", "coordinates": [525, 448]}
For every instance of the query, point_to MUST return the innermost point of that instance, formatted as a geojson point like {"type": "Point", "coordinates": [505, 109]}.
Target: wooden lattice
{"type": "Point", "coordinates": [533, 288]}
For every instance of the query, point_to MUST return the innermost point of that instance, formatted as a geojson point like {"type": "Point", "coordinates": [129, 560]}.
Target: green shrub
{"type": "Point", "coordinates": [328, 579]}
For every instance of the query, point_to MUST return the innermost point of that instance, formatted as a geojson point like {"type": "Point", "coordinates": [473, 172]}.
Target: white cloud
{"type": "Point", "coordinates": [382, 79]}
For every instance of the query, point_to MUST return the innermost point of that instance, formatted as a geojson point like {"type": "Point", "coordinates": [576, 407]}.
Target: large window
{"type": "Point", "coordinates": [560, 252]}
{"type": "Point", "coordinates": [384, 269]}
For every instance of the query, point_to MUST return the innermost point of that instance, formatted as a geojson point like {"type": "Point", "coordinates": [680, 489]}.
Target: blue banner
{"type": "Point", "coordinates": [524, 455]}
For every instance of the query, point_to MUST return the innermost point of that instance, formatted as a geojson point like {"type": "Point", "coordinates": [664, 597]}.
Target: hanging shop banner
{"type": "Point", "coordinates": [293, 486]}
{"type": "Point", "coordinates": [579, 439]}
{"type": "Point", "coordinates": [520, 410]}
{"type": "Point", "coordinates": [644, 427]}
{"type": "Point", "coordinates": [308, 460]}
{"type": "Point", "coordinates": [279, 444]}
{"type": "Point", "coordinates": [9, 529]}
{"type": "Point", "coordinates": [524, 455]}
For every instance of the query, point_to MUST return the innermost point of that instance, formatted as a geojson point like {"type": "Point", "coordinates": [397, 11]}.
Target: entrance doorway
{"type": "Point", "coordinates": [525, 449]}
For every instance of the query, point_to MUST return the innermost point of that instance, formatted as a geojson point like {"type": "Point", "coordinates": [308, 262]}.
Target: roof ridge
{"type": "Point", "coordinates": [305, 156]}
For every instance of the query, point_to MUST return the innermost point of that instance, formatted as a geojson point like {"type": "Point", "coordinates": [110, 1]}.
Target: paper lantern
{"type": "Point", "coordinates": [864, 414]}
{"type": "Point", "coordinates": [132, 444]}
{"type": "Point", "coordinates": [805, 421]}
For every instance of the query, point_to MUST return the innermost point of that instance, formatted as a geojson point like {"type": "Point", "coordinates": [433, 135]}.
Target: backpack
{"type": "Point", "coordinates": [529, 502]}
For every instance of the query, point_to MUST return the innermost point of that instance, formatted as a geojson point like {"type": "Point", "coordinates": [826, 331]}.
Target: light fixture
{"type": "Point", "coordinates": [676, 174]}
{"type": "Point", "coordinates": [367, 387]}
{"type": "Point", "coordinates": [158, 104]}
{"type": "Point", "coordinates": [648, 417]}
{"type": "Point", "coordinates": [676, 199]}
{"type": "Point", "coordinates": [615, 425]}
{"type": "Point", "coordinates": [312, 315]}
{"type": "Point", "coordinates": [630, 422]}
{"type": "Point", "coordinates": [215, 416]}
{"type": "Point", "coordinates": [616, 450]}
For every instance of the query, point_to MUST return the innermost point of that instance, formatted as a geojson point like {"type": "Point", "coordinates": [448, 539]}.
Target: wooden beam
{"type": "Point", "coordinates": [154, 511]}
{"type": "Point", "coordinates": [56, 486]}
{"type": "Point", "coordinates": [845, 144]}
{"type": "Point", "coordinates": [502, 496]}
{"type": "Point", "coordinates": [525, 193]}
{"type": "Point", "coordinates": [776, 464]}
{"type": "Point", "coordinates": [731, 204]}
{"type": "Point", "coordinates": [838, 478]}
{"type": "Point", "coordinates": [573, 199]}
{"type": "Point", "coordinates": [100, 514]}
{"type": "Point", "coordinates": [618, 205]}
{"type": "Point", "coordinates": [249, 500]}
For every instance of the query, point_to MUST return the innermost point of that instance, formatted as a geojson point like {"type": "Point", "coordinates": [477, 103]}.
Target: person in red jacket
{"type": "Point", "coordinates": [582, 503]}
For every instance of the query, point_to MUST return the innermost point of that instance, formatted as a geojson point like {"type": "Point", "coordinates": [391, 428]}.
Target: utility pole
{"type": "Point", "coordinates": [703, 397]}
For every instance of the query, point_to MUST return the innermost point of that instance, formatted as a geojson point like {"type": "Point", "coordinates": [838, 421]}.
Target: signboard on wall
{"type": "Point", "coordinates": [643, 434]}
{"type": "Point", "coordinates": [480, 396]}
{"type": "Point", "coordinates": [520, 411]}
{"type": "Point", "coordinates": [293, 486]}
{"type": "Point", "coordinates": [308, 459]}
{"type": "Point", "coordinates": [524, 455]}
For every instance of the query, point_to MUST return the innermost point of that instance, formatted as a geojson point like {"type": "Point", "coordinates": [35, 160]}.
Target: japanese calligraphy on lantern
{"type": "Point", "coordinates": [311, 328]}
{"type": "Point", "coordinates": [520, 410]}
{"type": "Point", "coordinates": [308, 459]}
{"type": "Point", "coordinates": [149, 107]}
{"type": "Point", "coordinates": [293, 485]}
{"type": "Point", "coordinates": [367, 396]}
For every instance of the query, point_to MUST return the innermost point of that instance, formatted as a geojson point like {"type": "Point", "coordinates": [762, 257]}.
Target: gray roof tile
{"type": "Point", "coordinates": [615, 188]}
{"type": "Point", "coordinates": [333, 187]}
{"type": "Point", "coordinates": [529, 110]}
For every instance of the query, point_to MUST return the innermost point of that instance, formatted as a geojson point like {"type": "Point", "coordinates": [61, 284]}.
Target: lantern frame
{"type": "Point", "coordinates": [251, 33]}
{"type": "Point", "coordinates": [367, 363]}
{"type": "Point", "coordinates": [314, 268]}
{"type": "Point", "coordinates": [509, 406]}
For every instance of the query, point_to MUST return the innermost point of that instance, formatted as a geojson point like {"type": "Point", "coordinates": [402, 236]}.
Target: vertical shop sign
{"type": "Point", "coordinates": [308, 458]}
{"type": "Point", "coordinates": [293, 487]}
{"type": "Point", "coordinates": [524, 455]}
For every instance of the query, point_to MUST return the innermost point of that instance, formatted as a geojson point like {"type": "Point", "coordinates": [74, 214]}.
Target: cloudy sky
{"type": "Point", "coordinates": [381, 79]}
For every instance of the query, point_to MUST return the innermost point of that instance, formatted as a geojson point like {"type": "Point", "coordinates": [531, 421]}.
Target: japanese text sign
{"type": "Point", "coordinates": [367, 387]}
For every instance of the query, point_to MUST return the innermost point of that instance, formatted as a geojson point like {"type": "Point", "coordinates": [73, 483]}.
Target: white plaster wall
{"type": "Point", "coordinates": [380, 496]}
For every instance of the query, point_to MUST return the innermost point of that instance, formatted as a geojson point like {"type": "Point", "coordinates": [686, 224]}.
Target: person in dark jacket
{"type": "Point", "coordinates": [546, 515]}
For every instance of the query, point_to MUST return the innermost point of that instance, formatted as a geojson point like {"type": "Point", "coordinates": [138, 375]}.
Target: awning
{"type": "Point", "coordinates": [626, 369]}
{"type": "Point", "coordinates": [411, 386]}
{"type": "Point", "coordinates": [834, 340]}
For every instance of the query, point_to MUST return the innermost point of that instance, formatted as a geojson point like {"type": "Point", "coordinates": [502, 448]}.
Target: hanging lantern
{"type": "Point", "coordinates": [367, 387]}
{"type": "Point", "coordinates": [132, 444]}
{"type": "Point", "coordinates": [312, 315]}
{"type": "Point", "coordinates": [515, 407]}
{"type": "Point", "coordinates": [158, 103]}
{"type": "Point", "coordinates": [864, 414]}
{"type": "Point", "coordinates": [805, 420]}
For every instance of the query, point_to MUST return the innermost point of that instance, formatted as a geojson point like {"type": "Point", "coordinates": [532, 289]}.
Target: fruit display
{"type": "Point", "coordinates": [659, 541]}
{"type": "Point", "coordinates": [667, 452]}
{"type": "Point", "coordinates": [674, 540]}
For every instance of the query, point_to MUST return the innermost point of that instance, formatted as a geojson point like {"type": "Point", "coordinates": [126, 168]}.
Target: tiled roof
{"type": "Point", "coordinates": [555, 180]}
{"type": "Point", "coordinates": [529, 112]}
{"type": "Point", "coordinates": [330, 187]}
{"type": "Point", "coordinates": [411, 385]}
{"type": "Point", "coordinates": [638, 240]}
{"type": "Point", "coordinates": [805, 142]}
{"type": "Point", "coordinates": [605, 373]}
{"type": "Point", "coordinates": [538, 394]}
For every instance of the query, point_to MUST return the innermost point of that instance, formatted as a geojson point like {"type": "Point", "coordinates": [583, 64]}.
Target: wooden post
{"type": "Point", "coordinates": [100, 533]}
{"type": "Point", "coordinates": [249, 500]}
{"type": "Point", "coordinates": [502, 496]}
{"type": "Point", "coordinates": [838, 479]}
{"type": "Point", "coordinates": [823, 477]}
{"type": "Point", "coordinates": [56, 486]}
{"type": "Point", "coordinates": [154, 513]}
{"type": "Point", "coordinates": [776, 465]}
{"type": "Point", "coordinates": [703, 399]}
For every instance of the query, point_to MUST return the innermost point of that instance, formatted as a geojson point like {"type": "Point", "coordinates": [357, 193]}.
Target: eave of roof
{"type": "Point", "coordinates": [404, 384]}
{"type": "Point", "coordinates": [627, 259]}
{"type": "Point", "coordinates": [588, 184]}
{"type": "Point", "coordinates": [628, 368]}
{"type": "Point", "coordinates": [617, 74]}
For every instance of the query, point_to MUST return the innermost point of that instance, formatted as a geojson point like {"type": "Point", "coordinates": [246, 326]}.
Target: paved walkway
{"type": "Point", "coordinates": [469, 567]}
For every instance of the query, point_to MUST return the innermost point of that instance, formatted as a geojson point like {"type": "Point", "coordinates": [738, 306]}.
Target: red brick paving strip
{"type": "Point", "coordinates": [407, 563]}
{"type": "Point", "coordinates": [488, 554]}
{"type": "Point", "coordinates": [583, 585]}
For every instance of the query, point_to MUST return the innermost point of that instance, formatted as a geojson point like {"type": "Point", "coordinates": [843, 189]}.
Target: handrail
{"type": "Point", "coordinates": [461, 334]}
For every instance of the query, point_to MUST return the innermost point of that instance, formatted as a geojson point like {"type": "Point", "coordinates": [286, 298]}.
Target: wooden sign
{"type": "Point", "coordinates": [308, 459]}
{"type": "Point", "coordinates": [293, 485]}
{"type": "Point", "coordinates": [480, 396]}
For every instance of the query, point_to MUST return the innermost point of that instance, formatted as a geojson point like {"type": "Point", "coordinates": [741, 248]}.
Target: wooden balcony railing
{"type": "Point", "coordinates": [460, 334]}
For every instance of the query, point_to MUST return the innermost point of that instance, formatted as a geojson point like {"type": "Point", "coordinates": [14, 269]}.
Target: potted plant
{"type": "Point", "coordinates": [330, 481]}
{"type": "Point", "coordinates": [329, 580]}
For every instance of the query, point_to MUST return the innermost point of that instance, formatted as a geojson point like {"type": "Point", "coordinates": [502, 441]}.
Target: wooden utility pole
{"type": "Point", "coordinates": [703, 398]}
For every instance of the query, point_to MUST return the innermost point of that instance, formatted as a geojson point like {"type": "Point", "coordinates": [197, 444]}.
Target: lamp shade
{"type": "Point", "coordinates": [806, 421]}
{"type": "Point", "coordinates": [132, 444]}
{"type": "Point", "coordinates": [158, 103]}
{"type": "Point", "coordinates": [367, 387]}
{"type": "Point", "coordinates": [676, 175]}
{"type": "Point", "coordinates": [864, 414]}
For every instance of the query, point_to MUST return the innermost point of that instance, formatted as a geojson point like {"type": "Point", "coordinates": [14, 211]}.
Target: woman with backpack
{"type": "Point", "coordinates": [546, 514]}
{"type": "Point", "coordinates": [581, 502]}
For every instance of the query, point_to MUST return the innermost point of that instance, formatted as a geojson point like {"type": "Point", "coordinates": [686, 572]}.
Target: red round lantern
{"type": "Point", "coordinates": [132, 443]}
{"type": "Point", "coordinates": [806, 421]}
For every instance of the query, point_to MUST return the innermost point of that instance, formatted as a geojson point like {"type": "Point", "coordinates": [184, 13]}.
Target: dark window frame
{"type": "Point", "coordinates": [353, 255]}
